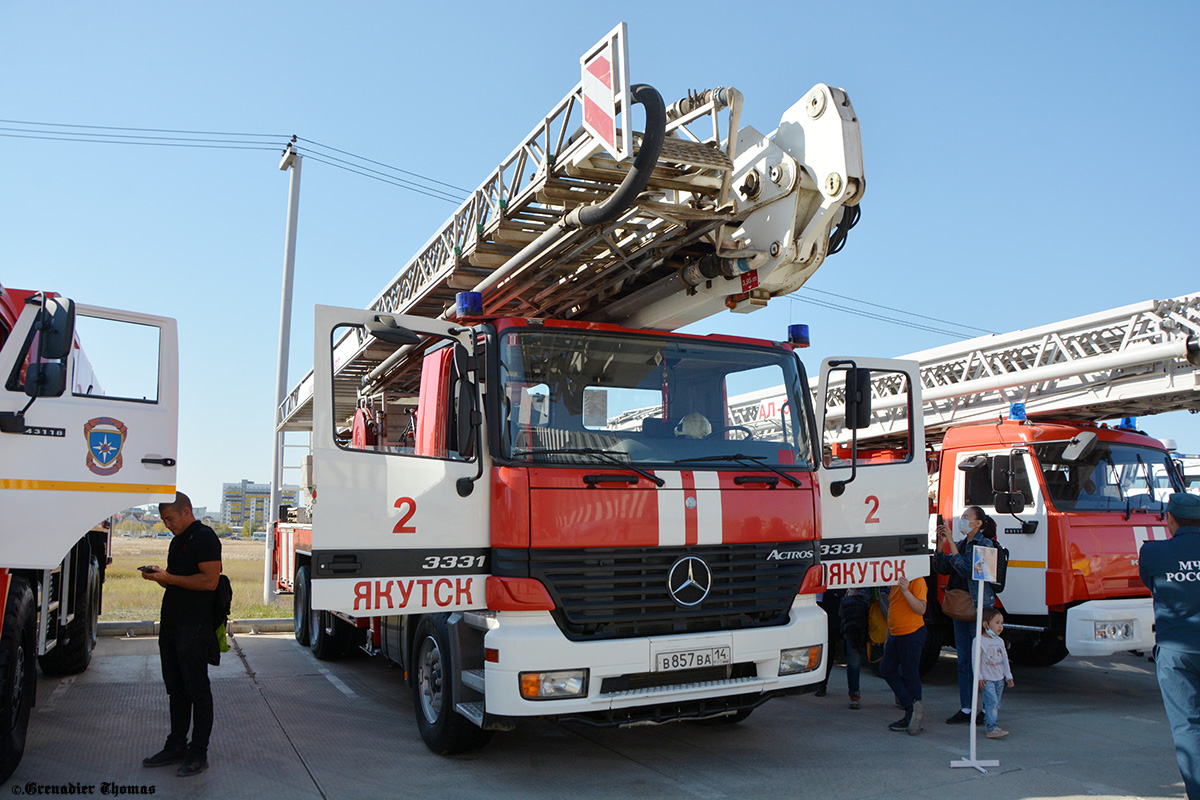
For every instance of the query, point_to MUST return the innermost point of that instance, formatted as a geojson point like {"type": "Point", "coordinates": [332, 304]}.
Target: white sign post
{"type": "Point", "coordinates": [983, 570]}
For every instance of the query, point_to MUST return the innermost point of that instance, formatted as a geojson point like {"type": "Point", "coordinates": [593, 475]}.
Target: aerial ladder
{"type": "Point", "coordinates": [727, 217]}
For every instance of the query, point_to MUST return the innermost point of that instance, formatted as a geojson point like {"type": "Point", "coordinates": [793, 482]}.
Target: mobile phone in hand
{"type": "Point", "coordinates": [146, 569]}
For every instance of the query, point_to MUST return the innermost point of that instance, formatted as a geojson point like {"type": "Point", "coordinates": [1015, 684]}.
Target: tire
{"type": "Point", "coordinates": [302, 605]}
{"type": "Point", "coordinates": [1042, 651]}
{"type": "Point", "coordinates": [18, 673]}
{"type": "Point", "coordinates": [931, 652]}
{"type": "Point", "coordinates": [328, 636]}
{"type": "Point", "coordinates": [74, 655]}
{"type": "Point", "coordinates": [443, 729]}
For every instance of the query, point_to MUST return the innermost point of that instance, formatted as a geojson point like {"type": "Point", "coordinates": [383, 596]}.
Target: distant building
{"type": "Point", "coordinates": [249, 502]}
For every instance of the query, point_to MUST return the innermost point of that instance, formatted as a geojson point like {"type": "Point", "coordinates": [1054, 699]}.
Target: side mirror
{"type": "Point", "coordinates": [1008, 502]}
{"type": "Point", "coordinates": [55, 325]}
{"type": "Point", "coordinates": [858, 398]}
{"type": "Point", "coordinates": [1001, 466]}
{"type": "Point", "coordinates": [46, 379]}
{"type": "Point", "coordinates": [1004, 497]}
{"type": "Point", "coordinates": [385, 329]}
{"type": "Point", "coordinates": [464, 416]}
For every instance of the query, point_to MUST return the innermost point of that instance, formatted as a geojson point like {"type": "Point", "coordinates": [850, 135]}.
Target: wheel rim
{"type": "Point", "coordinates": [18, 689]}
{"type": "Point", "coordinates": [429, 679]}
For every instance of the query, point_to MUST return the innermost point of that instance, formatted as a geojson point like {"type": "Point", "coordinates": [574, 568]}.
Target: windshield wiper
{"type": "Point", "coordinates": [605, 455]}
{"type": "Point", "coordinates": [741, 458]}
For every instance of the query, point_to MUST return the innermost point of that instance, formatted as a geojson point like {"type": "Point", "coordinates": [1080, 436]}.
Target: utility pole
{"type": "Point", "coordinates": [291, 160]}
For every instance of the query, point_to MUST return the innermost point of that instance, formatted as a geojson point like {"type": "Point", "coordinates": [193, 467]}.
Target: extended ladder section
{"type": "Point", "coordinates": [1135, 360]}
{"type": "Point", "coordinates": [727, 218]}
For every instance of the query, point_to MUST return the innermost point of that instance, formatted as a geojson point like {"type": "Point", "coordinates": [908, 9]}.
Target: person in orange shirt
{"type": "Point", "coordinates": [901, 662]}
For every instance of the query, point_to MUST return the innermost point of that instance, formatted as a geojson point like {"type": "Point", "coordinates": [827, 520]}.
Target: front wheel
{"type": "Point", "coordinates": [443, 729]}
{"type": "Point", "coordinates": [18, 673]}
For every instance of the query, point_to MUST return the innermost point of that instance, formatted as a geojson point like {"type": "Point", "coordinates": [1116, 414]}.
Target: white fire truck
{"type": "Point", "coordinates": [71, 455]}
{"type": "Point", "coordinates": [476, 511]}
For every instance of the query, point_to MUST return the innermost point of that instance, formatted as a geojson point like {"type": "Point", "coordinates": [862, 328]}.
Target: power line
{"type": "Point", "coordinates": [148, 130]}
{"type": "Point", "coordinates": [112, 134]}
{"type": "Point", "coordinates": [898, 310]}
{"type": "Point", "coordinates": [381, 164]}
{"type": "Point", "coordinates": [870, 315]}
{"type": "Point", "coordinates": [383, 179]}
{"type": "Point", "coordinates": [192, 143]}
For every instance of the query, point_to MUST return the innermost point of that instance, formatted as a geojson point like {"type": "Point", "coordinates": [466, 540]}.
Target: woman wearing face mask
{"type": "Point", "coordinates": [954, 559]}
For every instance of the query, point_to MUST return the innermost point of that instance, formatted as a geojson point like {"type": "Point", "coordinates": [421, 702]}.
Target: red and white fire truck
{"type": "Point", "coordinates": [1016, 416]}
{"type": "Point", "coordinates": [72, 454]}
{"type": "Point", "coordinates": [479, 507]}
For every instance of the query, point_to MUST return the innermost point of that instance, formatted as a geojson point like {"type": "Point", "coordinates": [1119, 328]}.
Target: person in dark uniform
{"type": "Point", "coordinates": [1171, 570]}
{"type": "Point", "coordinates": [187, 641]}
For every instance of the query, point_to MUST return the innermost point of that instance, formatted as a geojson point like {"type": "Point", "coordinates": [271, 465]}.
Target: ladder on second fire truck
{"type": "Point", "coordinates": [1130, 361]}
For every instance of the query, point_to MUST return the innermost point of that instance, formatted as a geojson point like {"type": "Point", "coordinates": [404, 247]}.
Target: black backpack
{"type": "Point", "coordinates": [1001, 568]}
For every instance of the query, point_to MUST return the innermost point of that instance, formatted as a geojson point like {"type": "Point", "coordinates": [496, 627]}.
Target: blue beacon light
{"type": "Point", "coordinates": [798, 335]}
{"type": "Point", "coordinates": [1016, 412]}
{"type": "Point", "coordinates": [468, 304]}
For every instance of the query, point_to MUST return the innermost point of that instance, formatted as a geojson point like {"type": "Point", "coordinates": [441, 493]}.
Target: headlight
{"type": "Point", "coordinates": [554, 685]}
{"type": "Point", "coordinates": [1115, 631]}
{"type": "Point", "coordinates": [799, 659]}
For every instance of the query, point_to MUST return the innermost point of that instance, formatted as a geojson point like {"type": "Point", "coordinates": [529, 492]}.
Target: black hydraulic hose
{"type": "Point", "coordinates": [635, 182]}
{"type": "Point", "coordinates": [608, 208]}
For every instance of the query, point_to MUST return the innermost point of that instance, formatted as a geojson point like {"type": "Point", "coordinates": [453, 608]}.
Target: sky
{"type": "Point", "coordinates": [1025, 162]}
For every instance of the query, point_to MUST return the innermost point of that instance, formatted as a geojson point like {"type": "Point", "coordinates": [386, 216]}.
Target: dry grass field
{"type": "Point", "coordinates": [128, 597]}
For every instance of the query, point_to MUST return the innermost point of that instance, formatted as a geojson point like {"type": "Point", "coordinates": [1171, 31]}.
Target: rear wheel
{"type": "Point", "coordinates": [301, 605]}
{"type": "Point", "coordinates": [18, 674]}
{"type": "Point", "coordinates": [443, 729]}
{"type": "Point", "coordinates": [73, 655]}
{"type": "Point", "coordinates": [328, 636]}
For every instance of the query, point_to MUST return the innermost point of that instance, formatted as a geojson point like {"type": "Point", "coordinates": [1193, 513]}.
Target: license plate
{"type": "Point", "coordinates": [688, 659]}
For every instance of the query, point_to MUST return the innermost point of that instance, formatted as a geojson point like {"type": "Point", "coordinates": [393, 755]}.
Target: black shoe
{"type": "Point", "coordinates": [979, 718]}
{"type": "Point", "coordinates": [901, 724]}
{"type": "Point", "coordinates": [194, 764]}
{"type": "Point", "coordinates": [958, 718]}
{"type": "Point", "coordinates": [164, 757]}
{"type": "Point", "coordinates": [820, 691]}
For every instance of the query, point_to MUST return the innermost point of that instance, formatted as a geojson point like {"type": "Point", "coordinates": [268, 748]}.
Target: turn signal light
{"type": "Point", "coordinates": [558, 685]}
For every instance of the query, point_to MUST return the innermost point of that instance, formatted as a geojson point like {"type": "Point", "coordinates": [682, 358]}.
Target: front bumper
{"type": "Point", "coordinates": [1137, 613]}
{"type": "Point", "coordinates": [531, 642]}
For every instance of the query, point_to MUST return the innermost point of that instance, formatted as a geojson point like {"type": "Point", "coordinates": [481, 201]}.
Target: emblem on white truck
{"type": "Point", "coordinates": [689, 581]}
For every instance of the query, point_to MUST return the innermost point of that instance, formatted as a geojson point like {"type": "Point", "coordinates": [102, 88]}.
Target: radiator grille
{"type": "Point", "coordinates": [612, 593]}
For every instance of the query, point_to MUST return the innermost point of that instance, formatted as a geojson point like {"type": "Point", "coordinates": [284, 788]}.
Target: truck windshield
{"type": "Point", "coordinates": [568, 396]}
{"type": "Point", "coordinates": [1111, 477]}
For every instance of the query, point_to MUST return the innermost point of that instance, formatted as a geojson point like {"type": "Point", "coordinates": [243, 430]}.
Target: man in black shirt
{"type": "Point", "coordinates": [187, 640]}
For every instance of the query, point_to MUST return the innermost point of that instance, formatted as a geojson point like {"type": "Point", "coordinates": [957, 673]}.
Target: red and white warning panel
{"type": "Point", "coordinates": [605, 89]}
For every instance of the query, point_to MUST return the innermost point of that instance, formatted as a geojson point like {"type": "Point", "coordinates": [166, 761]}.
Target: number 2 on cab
{"type": "Point", "coordinates": [402, 526]}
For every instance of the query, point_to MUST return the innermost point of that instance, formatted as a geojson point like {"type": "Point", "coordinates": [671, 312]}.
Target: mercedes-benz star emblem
{"type": "Point", "coordinates": [689, 581]}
